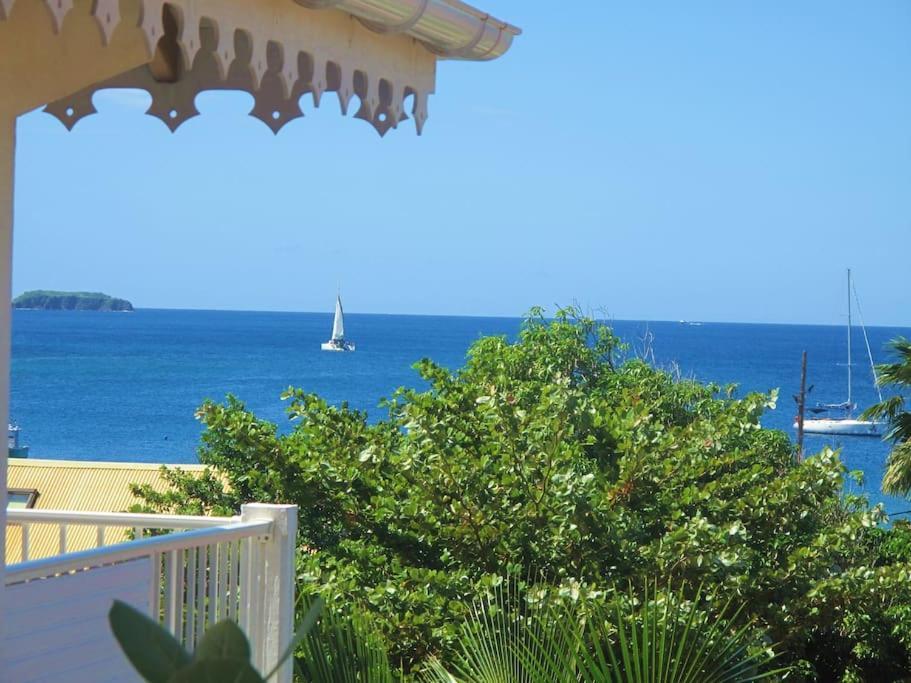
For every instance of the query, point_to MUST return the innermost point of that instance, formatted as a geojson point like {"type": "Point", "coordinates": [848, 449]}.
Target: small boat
{"type": "Point", "coordinates": [838, 418]}
{"type": "Point", "coordinates": [338, 341]}
{"type": "Point", "coordinates": [14, 449]}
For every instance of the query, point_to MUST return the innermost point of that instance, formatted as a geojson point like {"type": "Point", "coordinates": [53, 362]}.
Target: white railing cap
{"type": "Point", "coordinates": [124, 519]}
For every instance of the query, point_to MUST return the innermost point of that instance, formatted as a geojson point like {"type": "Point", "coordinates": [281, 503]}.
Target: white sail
{"type": "Point", "coordinates": [338, 325]}
{"type": "Point", "coordinates": [338, 341]}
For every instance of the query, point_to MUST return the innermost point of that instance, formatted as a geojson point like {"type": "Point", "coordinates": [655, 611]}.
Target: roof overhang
{"type": "Point", "coordinates": [382, 52]}
{"type": "Point", "coordinates": [448, 28]}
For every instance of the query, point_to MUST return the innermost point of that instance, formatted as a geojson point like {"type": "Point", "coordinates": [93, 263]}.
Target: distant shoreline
{"type": "Point", "coordinates": [90, 310]}
{"type": "Point", "coordinates": [52, 300]}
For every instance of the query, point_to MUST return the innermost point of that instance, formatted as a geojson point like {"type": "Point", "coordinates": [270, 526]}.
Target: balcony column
{"type": "Point", "coordinates": [7, 162]}
{"type": "Point", "coordinates": [272, 636]}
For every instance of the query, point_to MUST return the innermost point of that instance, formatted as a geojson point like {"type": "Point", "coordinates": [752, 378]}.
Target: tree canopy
{"type": "Point", "coordinates": [555, 456]}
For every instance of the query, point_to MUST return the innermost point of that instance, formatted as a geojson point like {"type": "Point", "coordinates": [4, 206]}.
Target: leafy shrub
{"type": "Point", "coordinates": [552, 454]}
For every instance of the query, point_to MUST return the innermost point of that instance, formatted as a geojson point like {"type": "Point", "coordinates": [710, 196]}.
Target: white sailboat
{"type": "Point", "coordinates": [338, 341]}
{"type": "Point", "coordinates": [838, 418]}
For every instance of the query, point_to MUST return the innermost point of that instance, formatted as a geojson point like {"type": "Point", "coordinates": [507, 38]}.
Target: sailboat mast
{"type": "Point", "coordinates": [850, 403]}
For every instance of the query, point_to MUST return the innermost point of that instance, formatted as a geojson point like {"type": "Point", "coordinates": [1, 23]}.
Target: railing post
{"type": "Point", "coordinates": [272, 635]}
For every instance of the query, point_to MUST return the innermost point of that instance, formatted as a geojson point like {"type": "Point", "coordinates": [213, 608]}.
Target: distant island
{"type": "Point", "coordinates": [70, 301]}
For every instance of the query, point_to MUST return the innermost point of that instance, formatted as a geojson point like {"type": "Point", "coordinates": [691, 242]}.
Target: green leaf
{"type": "Point", "coordinates": [217, 671]}
{"type": "Point", "coordinates": [152, 651]}
{"type": "Point", "coordinates": [224, 640]}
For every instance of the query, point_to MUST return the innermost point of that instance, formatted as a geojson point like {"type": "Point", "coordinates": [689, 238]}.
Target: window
{"type": "Point", "coordinates": [21, 499]}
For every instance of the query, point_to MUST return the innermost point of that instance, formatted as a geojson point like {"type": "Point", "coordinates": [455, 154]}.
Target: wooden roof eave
{"type": "Point", "coordinates": [277, 50]}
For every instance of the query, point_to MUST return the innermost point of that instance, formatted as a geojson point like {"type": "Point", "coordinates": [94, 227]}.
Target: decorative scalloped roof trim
{"type": "Point", "coordinates": [269, 48]}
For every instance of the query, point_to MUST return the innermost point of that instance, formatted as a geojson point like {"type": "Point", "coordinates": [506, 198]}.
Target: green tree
{"type": "Point", "coordinates": [554, 456]}
{"type": "Point", "coordinates": [897, 479]}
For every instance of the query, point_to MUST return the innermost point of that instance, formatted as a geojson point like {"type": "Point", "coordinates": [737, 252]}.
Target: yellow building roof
{"type": "Point", "coordinates": [77, 486]}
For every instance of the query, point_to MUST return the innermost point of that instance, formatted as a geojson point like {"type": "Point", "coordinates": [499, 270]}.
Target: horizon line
{"type": "Point", "coordinates": [600, 318]}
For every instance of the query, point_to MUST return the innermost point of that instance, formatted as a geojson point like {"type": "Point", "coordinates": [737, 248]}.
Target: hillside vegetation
{"type": "Point", "coordinates": [70, 301]}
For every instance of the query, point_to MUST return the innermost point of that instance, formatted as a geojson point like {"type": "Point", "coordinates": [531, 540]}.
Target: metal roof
{"type": "Point", "coordinates": [77, 486]}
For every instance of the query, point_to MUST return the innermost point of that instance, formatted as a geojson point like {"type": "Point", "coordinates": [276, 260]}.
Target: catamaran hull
{"type": "Point", "coordinates": [341, 348]}
{"type": "Point", "coordinates": [842, 427]}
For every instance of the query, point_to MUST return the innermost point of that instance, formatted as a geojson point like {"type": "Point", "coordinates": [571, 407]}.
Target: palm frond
{"type": "Point", "coordinates": [897, 479]}
{"type": "Point", "coordinates": [898, 373]}
{"type": "Point", "coordinates": [657, 637]}
{"type": "Point", "coordinates": [668, 640]}
{"type": "Point", "coordinates": [507, 640]}
{"type": "Point", "coordinates": [344, 649]}
{"type": "Point", "coordinates": [887, 410]}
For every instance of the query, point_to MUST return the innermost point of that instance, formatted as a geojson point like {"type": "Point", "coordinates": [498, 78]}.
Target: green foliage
{"type": "Point", "coordinates": [553, 454]}
{"type": "Point", "coordinates": [512, 637]}
{"type": "Point", "coordinates": [344, 649]}
{"type": "Point", "coordinates": [223, 653]}
{"type": "Point", "coordinates": [516, 638]}
{"type": "Point", "coordinates": [897, 478]}
{"type": "Point", "coordinates": [71, 301]}
{"type": "Point", "coordinates": [152, 651]}
{"type": "Point", "coordinates": [669, 639]}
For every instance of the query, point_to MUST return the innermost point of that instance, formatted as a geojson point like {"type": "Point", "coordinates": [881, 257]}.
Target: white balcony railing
{"type": "Point", "coordinates": [188, 572]}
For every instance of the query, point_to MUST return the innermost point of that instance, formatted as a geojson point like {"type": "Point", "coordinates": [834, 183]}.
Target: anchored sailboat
{"type": "Point", "coordinates": [838, 418]}
{"type": "Point", "coordinates": [338, 341]}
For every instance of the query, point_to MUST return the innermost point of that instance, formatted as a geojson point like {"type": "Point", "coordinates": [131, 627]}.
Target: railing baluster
{"type": "Point", "coordinates": [62, 538]}
{"type": "Point", "coordinates": [99, 536]}
{"type": "Point", "coordinates": [174, 591]}
{"type": "Point", "coordinates": [255, 588]}
{"type": "Point", "coordinates": [24, 530]}
{"type": "Point", "coordinates": [224, 561]}
{"type": "Point", "coordinates": [155, 587]}
{"type": "Point", "coordinates": [214, 571]}
{"type": "Point", "coordinates": [234, 549]}
{"type": "Point", "coordinates": [201, 566]}
{"type": "Point", "coordinates": [243, 606]}
{"type": "Point", "coordinates": [189, 625]}
{"type": "Point", "coordinates": [238, 560]}
{"type": "Point", "coordinates": [168, 589]}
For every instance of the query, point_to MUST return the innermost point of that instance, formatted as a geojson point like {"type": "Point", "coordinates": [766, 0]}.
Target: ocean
{"type": "Point", "coordinates": [124, 386]}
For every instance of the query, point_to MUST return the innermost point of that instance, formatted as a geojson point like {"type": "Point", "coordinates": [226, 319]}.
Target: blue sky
{"type": "Point", "coordinates": [664, 160]}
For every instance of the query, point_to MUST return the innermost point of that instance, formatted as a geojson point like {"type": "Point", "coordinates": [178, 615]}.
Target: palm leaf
{"type": "Point", "coordinates": [658, 637]}
{"type": "Point", "coordinates": [344, 649]}
{"type": "Point", "coordinates": [668, 640]}
{"type": "Point", "coordinates": [507, 640]}
{"type": "Point", "coordinates": [897, 479]}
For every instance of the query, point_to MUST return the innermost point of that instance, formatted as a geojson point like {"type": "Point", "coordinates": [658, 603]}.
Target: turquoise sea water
{"type": "Point", "coordinates": [115, 386]}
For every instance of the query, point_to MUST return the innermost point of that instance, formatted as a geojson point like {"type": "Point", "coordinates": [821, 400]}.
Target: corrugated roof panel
{"type": "Point", "coordinates": [77, 486]}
